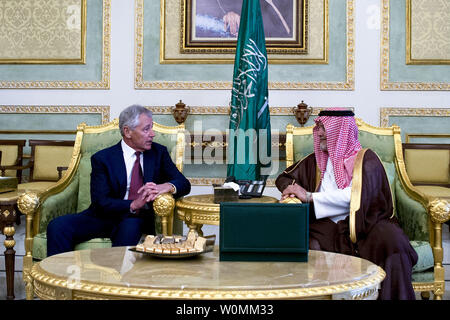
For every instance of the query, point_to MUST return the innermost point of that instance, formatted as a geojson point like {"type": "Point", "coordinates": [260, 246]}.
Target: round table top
{"type": "Point", "coordinates": [119, 272]}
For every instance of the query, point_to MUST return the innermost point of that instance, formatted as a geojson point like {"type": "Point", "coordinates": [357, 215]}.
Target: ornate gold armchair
{"type": "Point", "coordinates": [421, 217]}
{"type": "Point", "coordinates": [71, 194]}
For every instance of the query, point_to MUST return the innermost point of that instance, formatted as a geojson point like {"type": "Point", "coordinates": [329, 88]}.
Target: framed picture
{"type": "Point", "coordinates": [43, 32]}
{"type": "Point", "coordinates": [328, 65]}
{"type": "Point", "coordinates": [212, 26]}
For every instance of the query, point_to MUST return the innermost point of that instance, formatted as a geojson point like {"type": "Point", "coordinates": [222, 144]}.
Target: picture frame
{"type": "Point", "coordinates": [160, 66]}
{"type": "Point", "coordinates": [43, 32]}
{"type": "Point", "coordinates": [212, 26]}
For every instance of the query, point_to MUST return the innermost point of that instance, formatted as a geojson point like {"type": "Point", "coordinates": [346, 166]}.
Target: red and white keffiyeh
{"type": "Point", "coordinates": [342, 144]}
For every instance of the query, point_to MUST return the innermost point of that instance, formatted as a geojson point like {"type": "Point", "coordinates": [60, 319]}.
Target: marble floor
{"type": "Point", "coordinates": [19, 288]}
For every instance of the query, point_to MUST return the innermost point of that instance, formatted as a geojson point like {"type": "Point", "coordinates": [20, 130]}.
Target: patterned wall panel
{"type": "Point", "coordinates": [396, 73]}
{"type": "Point", "coordinates": [92, 73]}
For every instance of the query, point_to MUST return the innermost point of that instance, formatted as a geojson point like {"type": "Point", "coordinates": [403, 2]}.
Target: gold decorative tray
{"type": "Point", "coordinates": [210, 240]}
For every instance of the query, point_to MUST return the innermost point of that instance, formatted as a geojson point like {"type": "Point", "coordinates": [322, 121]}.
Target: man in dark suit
{"type": "Point", "coordinates": [125, 178]}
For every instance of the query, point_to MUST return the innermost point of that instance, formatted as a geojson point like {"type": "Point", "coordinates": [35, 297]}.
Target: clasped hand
{"type": "Point", "coordinates": [294, 190]}
{"type": "Point", "coordinates": [148, 192]}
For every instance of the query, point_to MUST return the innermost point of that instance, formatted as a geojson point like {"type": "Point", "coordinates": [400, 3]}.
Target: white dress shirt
{"type": "Point", "coordinates": [331, 201]}
{"type": "Point", "coordinates": [129, 156]}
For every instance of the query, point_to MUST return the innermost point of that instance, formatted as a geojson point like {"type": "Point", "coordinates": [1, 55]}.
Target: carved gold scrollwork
{"type": "Point", "coordinates": [440, 210]}
{"type": "Point", "coordinates": [28, 202]}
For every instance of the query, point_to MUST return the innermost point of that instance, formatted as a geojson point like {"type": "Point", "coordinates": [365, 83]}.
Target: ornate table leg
{"type": "Point", "coordinates": [195, 228]}
{"type": "Point", "coordinates": [10, 255]}
{"type": "Point", "coordinates": [8, 217]}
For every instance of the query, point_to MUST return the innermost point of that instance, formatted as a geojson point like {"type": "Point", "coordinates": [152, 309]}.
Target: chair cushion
{"type": "Point", "coordinates": [425, 254]}
{"type": "Point", "coordinates": [40, 245]}
{"type": "Point", "coordinates": [435, 191]}
{"type": "Point", "coordinates": [35, 186]}
{"type": "Point", "coordinates": [426, 276]}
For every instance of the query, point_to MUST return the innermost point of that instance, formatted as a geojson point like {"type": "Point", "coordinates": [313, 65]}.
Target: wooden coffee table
{"type": "Point", "coordinates": [198, 210]}
{"type": "Point", "coordinates": [118, 273]}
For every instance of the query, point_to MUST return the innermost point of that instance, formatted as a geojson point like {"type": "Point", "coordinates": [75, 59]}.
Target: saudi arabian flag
{"type": "Point", "coordinates": [249, 132]}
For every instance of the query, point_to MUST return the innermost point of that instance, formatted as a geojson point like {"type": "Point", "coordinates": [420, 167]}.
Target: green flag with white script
{"type": "Point", "coordinates": [249, 145]}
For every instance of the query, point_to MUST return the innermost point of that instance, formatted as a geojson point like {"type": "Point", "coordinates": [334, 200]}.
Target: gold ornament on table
{"type": "Point", "coordinates": [291, 200]}
{"type": "Point", "coordinates": [302, 113]}
{"type": "Point", "coordinates": [180, 112]}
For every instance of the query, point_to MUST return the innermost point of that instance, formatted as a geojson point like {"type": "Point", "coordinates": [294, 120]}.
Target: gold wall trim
{"type": "Point", "coordinates": [103, 110]}
{"type": "Point", "coordinates": [385, 84]}
{"type": "Point", "coordinates": [140, 83]}
{"type": "Point", "coordinates": [409, 39]}
{"type": "Point", "coordinates": [104, 83]}
{"type": "Point", "coordinates": [386, 112]}
{"type": "Point", "coordinates": [408, 136]}
{"type": "Point", "coordinates": [225, 110]}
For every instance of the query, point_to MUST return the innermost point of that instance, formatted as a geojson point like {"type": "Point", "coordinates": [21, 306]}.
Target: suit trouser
{"type": "Point", "coordinates": [64, 232]}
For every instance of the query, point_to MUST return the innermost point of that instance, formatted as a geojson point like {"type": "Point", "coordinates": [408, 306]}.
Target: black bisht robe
{"type": "Point", "coordinates": [379, 237]}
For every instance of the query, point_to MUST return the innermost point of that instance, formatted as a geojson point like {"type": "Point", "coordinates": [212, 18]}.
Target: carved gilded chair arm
{"type": "Point", "coordinates": [439, 210]}
{"type": "Point", "coordinates": [28, 203]}
{"type": "Point", "coordinates": [163, 206]}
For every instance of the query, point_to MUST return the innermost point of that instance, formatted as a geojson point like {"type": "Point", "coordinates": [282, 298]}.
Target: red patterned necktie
{"type": "Point", "coordinates": [137, 179]}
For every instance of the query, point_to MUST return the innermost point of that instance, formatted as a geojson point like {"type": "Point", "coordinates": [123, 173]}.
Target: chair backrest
{"type": "Point", "coordinates": [47, 156]}
{"type": "Point", "coordinates": [12, 155]}
{"type": "Point", "coordinates": [90, 139]}
{"type": "Point", "coordinates": [428, 164]}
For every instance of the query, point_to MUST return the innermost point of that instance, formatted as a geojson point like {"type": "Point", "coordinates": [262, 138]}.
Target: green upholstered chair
{"type": "Point", "coordinates": [420, 217]}
{"type": "Point", "coordinates": [71, 194]}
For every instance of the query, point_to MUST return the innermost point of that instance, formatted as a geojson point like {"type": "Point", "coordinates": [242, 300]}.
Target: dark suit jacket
{"type": "Point", "coordinates": [109, 181]}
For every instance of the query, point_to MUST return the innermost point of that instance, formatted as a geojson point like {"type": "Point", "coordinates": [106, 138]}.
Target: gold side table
{"type": "Point", "coordinates": [198, 210]}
